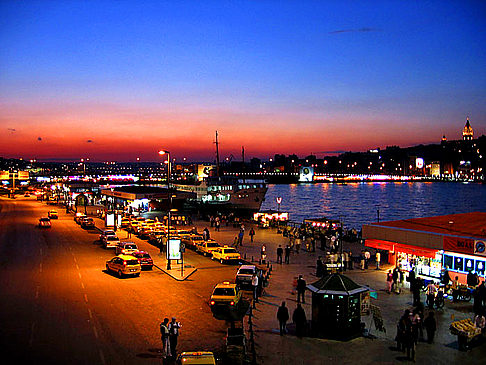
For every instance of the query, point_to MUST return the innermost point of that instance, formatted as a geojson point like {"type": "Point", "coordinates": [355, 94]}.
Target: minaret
{"type": "Point", "coordinates": [467, 132]}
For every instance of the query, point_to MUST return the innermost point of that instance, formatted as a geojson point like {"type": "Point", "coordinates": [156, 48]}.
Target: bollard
{"type": "Point", "coordinates": [268, 264]}
{"type": "Point", "coordinates": [245, 256]}
{"type": "Point", "coordinates": [271, 268]}
{"type": "Point", "coordinates": [252, 259]}
{"type": "Point", "coordinates": [260, 261]}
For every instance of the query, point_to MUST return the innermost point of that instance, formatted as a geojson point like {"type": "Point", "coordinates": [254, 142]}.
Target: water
{"type": "Point", "coordinates": [357, 203]}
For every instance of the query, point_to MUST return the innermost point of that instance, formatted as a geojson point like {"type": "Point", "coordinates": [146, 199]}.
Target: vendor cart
{"type": "Point", "coordinates": [466, 332]}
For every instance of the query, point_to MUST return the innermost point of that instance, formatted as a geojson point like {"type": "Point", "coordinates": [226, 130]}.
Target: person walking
{"type": "Point", "coordinates": [389, 281]}
{"type": "Point", "coordinates": [217, 223]}
{"type": "Point", "coordinates": [395, 280]}
{"type": "Point", "coordinates": [377, 259]}
{"type": "Point", "coordinates": [362, 260]}
{"type": "Point", "coordinates": [345, 259]}
{"type": "Point", "coordinates": [164, 336]}
{"type": "Point", "coordinates": [415, 285]}
{"type": "Point", "coordinates": [301, 287]}
{"type": "Point", "coordinates": [431, 293]}
{"type": "Point", "coordinates": [350, 258]}
{"type": "Point", "coordinates": [235, 242]}
{"type": "Point", "coordinates": [254, 285]}
{"type": "Point", "coordinates": [279, 254]}
{"type": "Point", "coordinates": [283, 317]}
{"type": "Point", "coordinates": [240, 237]}
{"type": "Point", "coordinates": [263, 254]}
{"type": "Point", "coordinates": [367, 257]}
{"type": "Point", "coordinates": [252, 234]}
{"type": "Point", "coordinates": [430, 326]}
{"type": "Point", "coordinates": [173, 335]}
{"type": "Point", "coordinates": [300, 320]}
{"type": "Point", "coordinates": [287, 254]}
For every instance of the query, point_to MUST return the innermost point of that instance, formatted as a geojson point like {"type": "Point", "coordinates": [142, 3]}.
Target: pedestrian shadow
{"type": "Point", "coordinates": [402, 358]}
{"type": "Point", "coordinates": [152, 354]}
{"type": "Point", "coordinates": [268, 303]}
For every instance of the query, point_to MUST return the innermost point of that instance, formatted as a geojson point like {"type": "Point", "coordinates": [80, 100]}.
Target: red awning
{"type": "Point", "coordinates": [380, 245]}
{"type": "Point", "coordinates": [415, 250]}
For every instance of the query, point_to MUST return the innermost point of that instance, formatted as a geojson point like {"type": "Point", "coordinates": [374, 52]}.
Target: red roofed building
{"type": "Point", "coordinates": [455, 241]}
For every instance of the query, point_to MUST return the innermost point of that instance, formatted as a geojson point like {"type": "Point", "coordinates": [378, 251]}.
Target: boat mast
{"type": "Point", "coordinates": [217, 155]}
{"type": "Point", "coordinates": [243, 165]}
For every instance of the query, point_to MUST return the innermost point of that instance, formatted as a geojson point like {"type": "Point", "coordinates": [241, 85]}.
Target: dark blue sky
{"type": "Point", "coordinates": [275, 76]}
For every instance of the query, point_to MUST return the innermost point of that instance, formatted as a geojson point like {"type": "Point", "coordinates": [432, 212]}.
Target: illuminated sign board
{"type": "Point", "coordinates": [306, 174]}
{"type": "Point", "coordinates": [419, 163]}
{"type": "Point", "coordinates": [174, 249]}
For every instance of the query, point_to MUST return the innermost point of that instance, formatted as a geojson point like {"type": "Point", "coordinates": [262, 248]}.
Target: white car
{"type": "Point", "coordinates": [110, 241]}
{"type": "Point", "coordinates": [125, 248]}
{"type": "Point", "coordinates": [107, 232]}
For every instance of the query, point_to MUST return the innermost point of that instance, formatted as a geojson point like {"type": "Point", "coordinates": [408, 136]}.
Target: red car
{"type": "Point", "coordinates": [144, 258]}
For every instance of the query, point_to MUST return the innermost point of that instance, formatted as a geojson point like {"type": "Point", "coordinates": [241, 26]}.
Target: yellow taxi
{"type": "Point", "coordinates": [225, 295]}
{"type": "Point", "coordinates": [226, 254]}
{"type": "Point", "coordinates": [52, 214]}
{"type": "Point", "coordinates": [124, 265]}
{"type": "Point", "coordinates": [196, 358]}
{"type": "Point", "coordinates": [207, 247]}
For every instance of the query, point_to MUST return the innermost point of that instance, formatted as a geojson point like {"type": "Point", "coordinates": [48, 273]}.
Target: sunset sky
{"type": "Point", "coordinates": [117, 80]}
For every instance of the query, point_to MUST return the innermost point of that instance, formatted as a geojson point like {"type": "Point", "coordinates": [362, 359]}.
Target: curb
{"type": "Point", "coordinates": [174, 277]}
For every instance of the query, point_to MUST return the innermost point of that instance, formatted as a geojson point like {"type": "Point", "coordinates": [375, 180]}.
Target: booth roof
{"type": "Point", "coordinates": [336, 284]}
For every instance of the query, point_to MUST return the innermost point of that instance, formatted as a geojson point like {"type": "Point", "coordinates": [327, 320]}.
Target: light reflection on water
{"type": "Point", "coordinates": [357, 203]}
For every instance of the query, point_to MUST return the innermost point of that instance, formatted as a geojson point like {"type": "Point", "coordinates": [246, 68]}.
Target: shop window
{"type": "Point", "coordinates": [480, 267]}
{"type": "Point", "coordinates": [448, 261]}
{"type": "Point", "coordinates": [458, 264]}
{"type": "Point", "coordinates": [468, 264]}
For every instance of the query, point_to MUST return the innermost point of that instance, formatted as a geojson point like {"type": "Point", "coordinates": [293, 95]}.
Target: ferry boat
{"type": "Point", "coordinates": [228, 191]}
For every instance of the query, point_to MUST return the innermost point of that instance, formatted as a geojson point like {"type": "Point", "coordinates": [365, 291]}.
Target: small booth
{"type": "Point", "coordinates": [271, 218]}
{"type": "Point", "coordinates": [336, 307]}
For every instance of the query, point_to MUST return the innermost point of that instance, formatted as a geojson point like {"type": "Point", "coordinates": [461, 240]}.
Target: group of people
{"type": "Point", "coordinates": [169, 333]}
{"type": "Point", "coordinates": [298, 318]}
{"type": "Point", "coordinates": [410, 329]}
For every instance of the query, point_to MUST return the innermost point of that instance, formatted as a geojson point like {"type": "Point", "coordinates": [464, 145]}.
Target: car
{"type": "Point", "coordinates": [144, 232]}
{"type": "Point", "coordinates": [44, 222]}
{"type": "Point", "coordinates": [226, 254]}
{"type": "Point", "coordinates": [125, 248]}
{"type": "Point", "coordinates": [125, 222]}
{"type": "Point", "coordinates": [225, 295]}
{"type": "Point", "coordinates": [107, 232]}
{"type": "Point", "coordinates": [124, 265]}
{"type": "Point", "coordinates": [133, 225]}
{"type": "Point", "coordinates": [207, 247]}
{"type": "Point", "coordinates": [192, 240]}
{"type": "Point", "coordinates": [27, 195]}
{"type": "Point", "coordinates": [78, 217]}
{"type": "Point", "coordinates": [199, 358]}
{"type": "Point", "coordinates": [144, 258]}
{"type": "Point", "coordinates": [110, 241]}
{"type": "Point", "coordinates": [157, 236]}
{"type": "Point", "coordinates": [245, 275]}
{"type": "Point", "coordinates": [87, 222]}
{"type": "Point", "coordinates": [52, 214]}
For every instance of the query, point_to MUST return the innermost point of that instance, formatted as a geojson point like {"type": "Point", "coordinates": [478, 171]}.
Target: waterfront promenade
{"type": "Point", "coordinates": [272, 348]}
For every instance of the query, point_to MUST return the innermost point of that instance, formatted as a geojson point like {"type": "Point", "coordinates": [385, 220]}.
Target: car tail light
{"type": "Point", "coordinates": [232, 303]}
{"type": "Point", "coordinates": [124, 263]}
{"type": "Point", "coordinates": [212, 302]}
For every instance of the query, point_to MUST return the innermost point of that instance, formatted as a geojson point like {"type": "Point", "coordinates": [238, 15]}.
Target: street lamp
{"type": "Point", "coordinates": [169, 195]}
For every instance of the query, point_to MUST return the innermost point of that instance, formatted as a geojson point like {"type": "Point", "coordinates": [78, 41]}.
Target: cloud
{"type": "Point", "coordinates": [359, 30]}
{"type": "Point", "coordinates": [39, 138]}
{"type": "Point", "coordinates": [12, 130]}
{"type": "Point", "coordinates": [89, 141]}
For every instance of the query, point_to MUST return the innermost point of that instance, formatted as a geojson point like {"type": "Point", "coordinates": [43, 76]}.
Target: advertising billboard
{"type": "Point", "coordinates": [306, 174]}
{"type": "Point", "coordinates": [174, 249]}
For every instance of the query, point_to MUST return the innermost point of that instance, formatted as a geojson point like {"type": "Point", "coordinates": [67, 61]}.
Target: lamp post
{"type": "Point", "coordinates": [169, 195]}
{"type": "Point", "coordinates": [279, 201]}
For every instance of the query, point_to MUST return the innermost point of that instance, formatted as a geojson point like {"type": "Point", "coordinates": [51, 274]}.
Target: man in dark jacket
{"type": "Point", "coordinates": [283, 317]}
{"type": "Point", "coordinates": [301, 286]}
{"type": "Point", "coordinates": [300, 320]}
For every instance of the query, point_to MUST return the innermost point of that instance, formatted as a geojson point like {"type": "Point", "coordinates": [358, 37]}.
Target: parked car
{"type": "Point", "coordinates": [52, 214]}
{"type": "Point", "coordinates": [110, 241]}
{"type": "Point", "coordinates": [226, 254]}
{"type": "Point", "coordinates": [207, 247]}
{"type": "Point", "coordinates": [87, 222]}
{"type": "Point", "coordinates": [200, 357]}
{"type": "Point", "coordinates": [126, 248]}
{"type": "Point", "coordinates": [225, 295]}
{"type": "Point", "coordinates": [124, 265]}
{"type": "Point", "coordinates": [245, 275]}
{"type": "Point", "coordinates": [107, 232]}
{"type": "Point", "coordinates": [144, 258]}
{"type": "Point", "coordinates": [78, 217]}
{"type": "Point", "coordinates": [44, 222]}
{"type": "Point", "coordinates": [192, 240]}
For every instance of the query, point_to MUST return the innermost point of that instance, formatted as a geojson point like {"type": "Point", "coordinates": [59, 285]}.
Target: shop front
{"type": "Point", "coordinates": [455, 242]}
